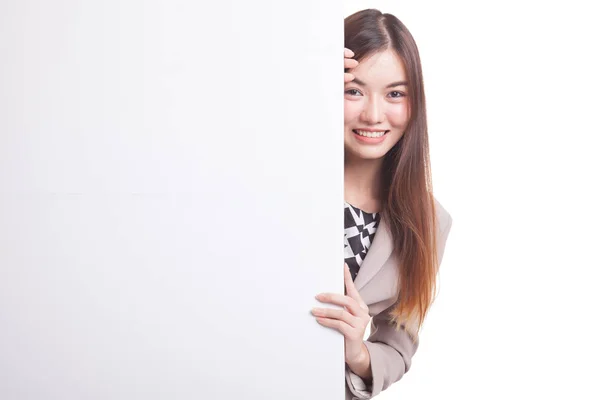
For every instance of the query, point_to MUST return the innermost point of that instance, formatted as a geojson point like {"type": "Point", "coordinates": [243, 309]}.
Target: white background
{"type": "Point", "coordinates": [171, 199]}
{"type": "Point", "coordinates": [115, 125]}
{"type": "Point", "coordinates": [512, 93]}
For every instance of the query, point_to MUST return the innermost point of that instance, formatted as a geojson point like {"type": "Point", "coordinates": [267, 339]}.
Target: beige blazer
{"type": "Point", "coordinates": [391, 352]}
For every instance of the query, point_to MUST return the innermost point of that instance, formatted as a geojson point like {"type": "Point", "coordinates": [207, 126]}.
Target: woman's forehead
{"type": "Point", "coordinates": [380, 67]}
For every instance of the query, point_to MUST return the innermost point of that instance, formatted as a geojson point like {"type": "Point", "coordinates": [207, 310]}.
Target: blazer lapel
{"type": "Point", "coordinates": [377, 255]}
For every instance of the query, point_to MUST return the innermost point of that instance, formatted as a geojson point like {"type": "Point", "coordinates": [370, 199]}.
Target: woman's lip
{"type": "Point", "coordinates": [364, 130]}
{"type": "Point", "coordinates": [372, 130]}
{"type": "Point", "coordinates": [370, 140]}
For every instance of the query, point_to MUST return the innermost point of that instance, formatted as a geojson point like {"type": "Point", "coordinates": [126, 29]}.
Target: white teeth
{"type": "Point", "coordinates": [370, 134]}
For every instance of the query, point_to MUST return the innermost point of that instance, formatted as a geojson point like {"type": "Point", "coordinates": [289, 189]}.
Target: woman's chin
{"type": "Point", "coordinates": [365, 154]}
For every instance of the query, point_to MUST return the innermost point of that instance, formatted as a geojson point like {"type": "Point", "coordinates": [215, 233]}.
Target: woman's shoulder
{"type": "Point", "coordinates": [443, 215]}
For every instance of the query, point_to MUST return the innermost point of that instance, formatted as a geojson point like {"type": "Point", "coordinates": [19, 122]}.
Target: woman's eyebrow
{"type": "Point", "coordinates": [399, 83]}
{"type": "Point", "coordinates": [391, 85]}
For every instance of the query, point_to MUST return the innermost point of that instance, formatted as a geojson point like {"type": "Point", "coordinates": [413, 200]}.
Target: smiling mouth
{"type": "Point", "coordinates": [369, 133]}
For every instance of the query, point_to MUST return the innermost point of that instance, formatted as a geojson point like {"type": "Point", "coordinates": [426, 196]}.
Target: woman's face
{"type": "Point", "coordinates": [375, 102]}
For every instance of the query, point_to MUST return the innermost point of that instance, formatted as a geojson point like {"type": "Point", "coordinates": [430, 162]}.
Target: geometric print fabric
{"type": "Point", "coordinates": [359, 231]}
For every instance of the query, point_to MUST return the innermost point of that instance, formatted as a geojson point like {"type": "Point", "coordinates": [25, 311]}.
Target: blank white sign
{"type": "Point", "coordinates": [170, 199]}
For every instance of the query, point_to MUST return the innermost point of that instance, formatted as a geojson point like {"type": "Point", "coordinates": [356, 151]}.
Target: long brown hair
{"type": "Point", "coordinates": [407, 202]}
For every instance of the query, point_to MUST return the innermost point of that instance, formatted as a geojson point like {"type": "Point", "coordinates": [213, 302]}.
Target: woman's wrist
{"type": "Point", "coordinates": [362, 365]}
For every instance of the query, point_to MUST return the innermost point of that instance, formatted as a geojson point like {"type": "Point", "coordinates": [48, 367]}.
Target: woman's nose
{"type": "Point", "coordinates": [373, 112]}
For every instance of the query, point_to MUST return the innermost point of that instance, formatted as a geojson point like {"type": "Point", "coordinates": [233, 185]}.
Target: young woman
{"type": "Point", "coordinates": [395, 230]}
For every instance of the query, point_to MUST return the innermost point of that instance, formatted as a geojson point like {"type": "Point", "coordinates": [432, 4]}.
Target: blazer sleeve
{"type": "Point", "coordinates": [390, 351]}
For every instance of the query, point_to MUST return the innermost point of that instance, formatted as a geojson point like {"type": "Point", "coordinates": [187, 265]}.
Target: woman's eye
{"type": "Point", "coordinates": [398, 94]}
{"type": "Point", "coordinates": [352, 92]}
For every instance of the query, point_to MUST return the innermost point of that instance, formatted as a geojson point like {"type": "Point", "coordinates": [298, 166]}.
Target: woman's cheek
{"type": "Point", "coordinates": [398, 116]}
{"type": "Point", "coordinates": [351, 110]}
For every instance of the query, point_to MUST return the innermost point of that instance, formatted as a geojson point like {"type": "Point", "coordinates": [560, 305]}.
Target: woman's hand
{"type": "Point", "coordinates": [351, 321]}
{"type": "Point", "coordinates": [349, 62]}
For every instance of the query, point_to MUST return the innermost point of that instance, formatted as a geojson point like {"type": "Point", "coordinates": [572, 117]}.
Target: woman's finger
{"type": "Point", "coordinates": [344, 328]}
{"type": "Point", "coordinates": [339, 314]}
{"type": "Point", "coordinates": [344, 301]}
{"type": "Point", "coordinates": [349, 283]}
{"type": "Point", "coordinates": [351, 288]}
{"type": "Point", "coordinates": [350, 63]}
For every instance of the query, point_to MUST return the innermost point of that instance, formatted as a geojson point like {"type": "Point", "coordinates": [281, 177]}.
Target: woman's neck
{"type": "Point", "coordinates": [362, 183]}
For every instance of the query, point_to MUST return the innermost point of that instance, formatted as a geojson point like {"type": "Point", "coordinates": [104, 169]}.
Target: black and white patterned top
{"type": "Point", "coordinates": [359, 231]}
